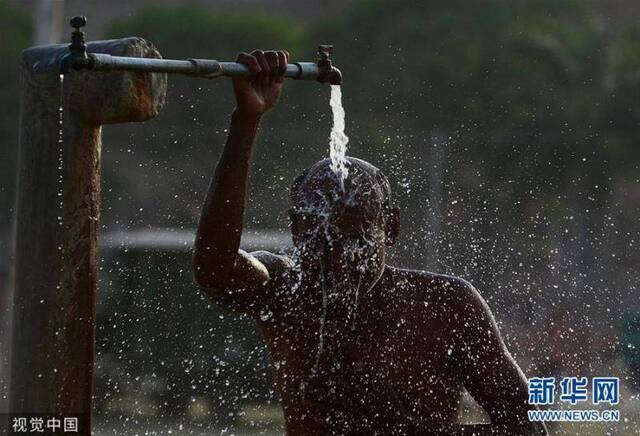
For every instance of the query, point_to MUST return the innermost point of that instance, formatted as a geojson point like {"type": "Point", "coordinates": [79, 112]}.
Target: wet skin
{"type": "Point", "coordinates": [357, 346]}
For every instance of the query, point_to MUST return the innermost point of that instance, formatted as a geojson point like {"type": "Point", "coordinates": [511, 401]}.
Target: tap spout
{"type": "Point", "coordinates": [327, 73]}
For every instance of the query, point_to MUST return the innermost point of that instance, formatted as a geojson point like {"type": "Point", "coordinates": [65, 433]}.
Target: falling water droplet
{"type": "Point", "coordinates": [60, 150]}
{"type": "Point", "coordinates": [60, 175]}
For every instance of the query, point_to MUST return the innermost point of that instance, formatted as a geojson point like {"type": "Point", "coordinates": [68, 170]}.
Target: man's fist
{"type": "Point", "coordinates": [257, 94]}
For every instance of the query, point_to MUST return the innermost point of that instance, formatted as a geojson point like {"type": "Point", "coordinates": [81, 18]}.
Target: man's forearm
{"type": "Point", "coordinates": [220, 227]}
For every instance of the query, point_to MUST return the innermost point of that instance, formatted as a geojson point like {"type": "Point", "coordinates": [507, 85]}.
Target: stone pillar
{"type": "Point", "coordinates": [56, 245]}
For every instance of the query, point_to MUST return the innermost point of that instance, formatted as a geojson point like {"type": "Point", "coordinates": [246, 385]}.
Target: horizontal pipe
{"type": "Point", "coordinates": [207, 68]}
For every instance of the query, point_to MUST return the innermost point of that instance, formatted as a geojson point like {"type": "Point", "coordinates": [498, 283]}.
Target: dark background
{"type": "Point", "coordinates": [508, 129]}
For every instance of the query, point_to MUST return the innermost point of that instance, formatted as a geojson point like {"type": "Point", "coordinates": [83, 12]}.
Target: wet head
{"type": "Point", "coordinates": [340, 230]}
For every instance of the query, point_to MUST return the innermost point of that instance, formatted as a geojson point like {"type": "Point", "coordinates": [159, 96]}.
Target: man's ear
{"type": "Point", "coordinates": [392, 226]}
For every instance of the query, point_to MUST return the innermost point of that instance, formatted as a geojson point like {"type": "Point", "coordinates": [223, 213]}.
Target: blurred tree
{"type": "Point", "coordinates": [48, 19]}
{"type": "Point", "coordinates": [15, 34]}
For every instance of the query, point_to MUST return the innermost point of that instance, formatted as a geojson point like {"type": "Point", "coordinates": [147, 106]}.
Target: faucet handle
{"type": "Point", "coordinates": [78, 44]}
{"type": "Point", "coordinates": [78, 22]}
{"type": "Point", "coordinates": [324, 51]}
{"type": "Point", "coordinates": [77, 48]}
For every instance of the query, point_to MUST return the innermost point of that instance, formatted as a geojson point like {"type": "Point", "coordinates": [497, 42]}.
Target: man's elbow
{"type": "Point", "coordinates": [207, 276]}
{"type": "Point", "coordinates": [214, 288]}
{"type": "Point", "coordinates": [205, 282]}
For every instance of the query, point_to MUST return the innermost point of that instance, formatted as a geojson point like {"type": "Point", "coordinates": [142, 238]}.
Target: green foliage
{"type": "Point", "coordinates": [15, 34]}
{"type": "Point", "coordinates": [207, 33]}
{"type": "Point", "coordinates": [15, 31]}
{"type": "Point", "coordinates": [623, 85]}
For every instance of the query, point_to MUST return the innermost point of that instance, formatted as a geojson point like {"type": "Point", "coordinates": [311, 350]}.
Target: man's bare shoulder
{"type": "Point", "coordinates": [454, 292]}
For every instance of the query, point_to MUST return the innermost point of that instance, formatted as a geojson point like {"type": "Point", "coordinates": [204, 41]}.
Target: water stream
{"type": "Point", "coordinates": [337, 139]}
{"type": "Point", "coordinates": [337, 151]}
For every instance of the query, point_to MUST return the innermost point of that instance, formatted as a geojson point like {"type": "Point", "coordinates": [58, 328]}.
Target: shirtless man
{"type": "Point", "coordinates": [359, 347]}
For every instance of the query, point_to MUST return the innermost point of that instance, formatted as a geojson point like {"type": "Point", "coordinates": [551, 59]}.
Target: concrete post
{"type": "Point", "coordinates": [56, 245]}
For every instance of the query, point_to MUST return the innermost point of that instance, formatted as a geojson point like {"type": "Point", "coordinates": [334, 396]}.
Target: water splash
{"type": "Point", "coordinates": [338, 140]}
{"type": "Point", "coordinates": [323, 320]}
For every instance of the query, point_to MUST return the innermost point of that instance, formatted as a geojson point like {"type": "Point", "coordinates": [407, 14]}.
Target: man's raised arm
{"type": "Point", "coordinates": [220, 268]}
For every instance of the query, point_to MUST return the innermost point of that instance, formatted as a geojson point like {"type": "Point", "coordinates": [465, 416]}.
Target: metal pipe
{"type": "Point", "coordinates": [207, 68]}
{"type": "Point", "coordinates": [77, 59]}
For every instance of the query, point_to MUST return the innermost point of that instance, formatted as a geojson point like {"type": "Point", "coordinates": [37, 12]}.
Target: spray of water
{"type": "Point", "coordinates": [338, 140]}
{"type": "Point", "coordinates": [323, 319]}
